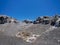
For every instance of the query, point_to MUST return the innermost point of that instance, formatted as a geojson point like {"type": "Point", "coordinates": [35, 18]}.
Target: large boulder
{"type": "Point", "coordinates": [2, 20]}
{"type": "Point", "coordinates": [46, 20]}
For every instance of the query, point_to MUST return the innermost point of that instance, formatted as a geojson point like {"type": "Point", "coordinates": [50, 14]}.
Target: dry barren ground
{"type": "Point", "coordinates": [47, 36]}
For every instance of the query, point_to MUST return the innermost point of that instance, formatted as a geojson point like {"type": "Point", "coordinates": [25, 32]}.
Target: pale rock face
{"type": "Point", "coordinates": [29, 38]}
{"type": "Point", "coordinates": [33, 38]}
{"type": "Point", "coordinates": [12, 20]}
{"type": "Point", "coordinates": [57, 22]}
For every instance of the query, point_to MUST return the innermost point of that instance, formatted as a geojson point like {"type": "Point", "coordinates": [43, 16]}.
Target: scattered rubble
{"type": "Point", "coordinates": [28, 37]}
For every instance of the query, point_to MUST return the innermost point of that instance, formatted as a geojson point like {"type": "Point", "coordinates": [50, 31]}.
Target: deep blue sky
{"type": "Point", "coordinates": [29, 9]}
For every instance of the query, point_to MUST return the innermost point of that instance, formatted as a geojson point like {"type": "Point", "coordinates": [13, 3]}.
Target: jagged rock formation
{"type": "Point", "coordinates": [49, 33]}
{"type": "Point", "coordinates": [6, 19]}
{"type": "Point", "coordinates": [27, 21]}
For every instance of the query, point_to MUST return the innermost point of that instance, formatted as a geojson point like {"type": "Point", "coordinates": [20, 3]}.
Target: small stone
{"type": "Point", "coordinates": [58, 41]}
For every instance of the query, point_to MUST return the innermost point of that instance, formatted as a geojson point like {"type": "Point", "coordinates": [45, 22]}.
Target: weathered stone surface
{"type": "Point", "coordinates": [49, 35]}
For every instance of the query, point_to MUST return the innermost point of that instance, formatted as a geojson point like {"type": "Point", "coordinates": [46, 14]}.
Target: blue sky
{"type": "Point", "coordinates": [29, 9]}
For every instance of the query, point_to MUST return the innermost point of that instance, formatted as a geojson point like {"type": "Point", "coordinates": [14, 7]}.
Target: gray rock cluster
{"type": "Point", "coordinates": [54, 20]}
{"type": "Point", "coordinates": [45, 20]}
{"type": "Point", "coordinates": [27, 21]}
{"type": "Point", "coordinates": [6, 19]}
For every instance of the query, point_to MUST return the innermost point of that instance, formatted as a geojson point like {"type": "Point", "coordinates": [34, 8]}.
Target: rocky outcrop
{"type": "Point", "coordinates": [6, 19]}
{"type": "Point", "coordinates": [13, 32]}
